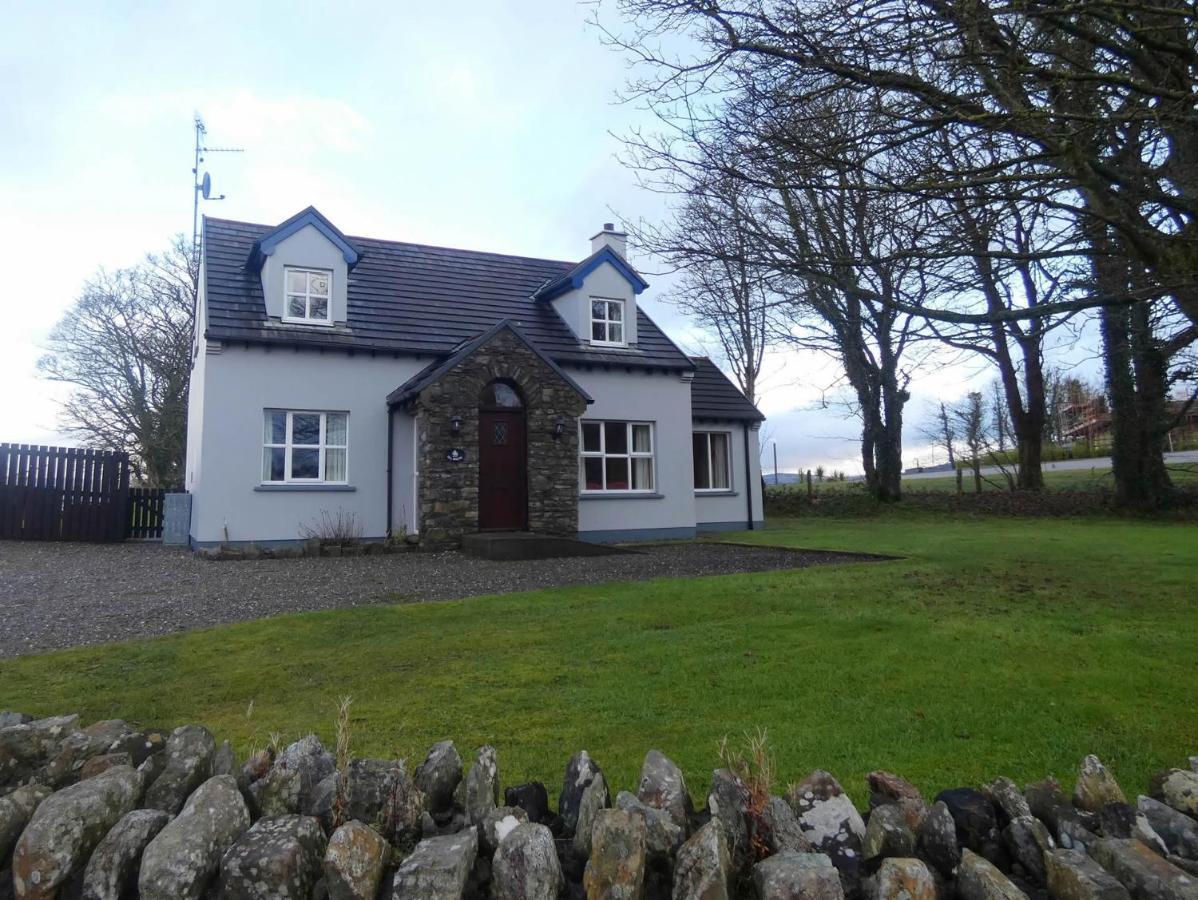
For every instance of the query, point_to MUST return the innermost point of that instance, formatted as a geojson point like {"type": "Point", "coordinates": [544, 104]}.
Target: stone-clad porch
{"type": "Point", "coordinates": [446, 400]}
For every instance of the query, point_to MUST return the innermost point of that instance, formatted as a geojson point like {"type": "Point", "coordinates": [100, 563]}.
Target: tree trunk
{"type": "Point", "coordinates": [1137, 385]}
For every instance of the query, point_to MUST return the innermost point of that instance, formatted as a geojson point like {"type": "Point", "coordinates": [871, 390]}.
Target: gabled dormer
{"type": "Point", "coordinates": [597, 298]}
{"type": "Point", "coordinates": [304, 264]}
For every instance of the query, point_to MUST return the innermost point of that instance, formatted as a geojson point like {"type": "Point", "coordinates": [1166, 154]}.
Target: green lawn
{"type": "Point", "coordinates": [1094, 478]}
{"type": "Point", "coordinates": [995, 647]}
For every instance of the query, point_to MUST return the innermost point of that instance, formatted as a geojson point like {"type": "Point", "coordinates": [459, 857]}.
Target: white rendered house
{"type": "Point", "coordinates": [432, 391]}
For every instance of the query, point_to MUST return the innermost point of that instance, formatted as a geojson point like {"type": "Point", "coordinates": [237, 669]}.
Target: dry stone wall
{"type": "Point", "coordinates": [110, 811]}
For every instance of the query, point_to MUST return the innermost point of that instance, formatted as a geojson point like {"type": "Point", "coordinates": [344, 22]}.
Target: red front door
{"type": "Point", "coordinates": [502, 471]}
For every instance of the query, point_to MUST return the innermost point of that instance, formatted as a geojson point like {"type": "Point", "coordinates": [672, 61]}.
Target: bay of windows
{"type": "Point", "coordinates": [713, 469]}
{"type": "Point", "coordinates": [616, 456]}
{"type": "Point", "coordinates": [310, 447]}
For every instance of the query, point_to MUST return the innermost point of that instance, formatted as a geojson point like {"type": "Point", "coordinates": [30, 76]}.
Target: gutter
{"type": "Point", "coordinates": [390, 461]}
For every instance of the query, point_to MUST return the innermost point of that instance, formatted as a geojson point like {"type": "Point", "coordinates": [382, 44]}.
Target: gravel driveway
{"type": "Point", "coordinates": [65, 595]}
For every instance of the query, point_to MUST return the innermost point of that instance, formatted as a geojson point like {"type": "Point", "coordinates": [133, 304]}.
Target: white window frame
{"type": "Point", "coordinates": [603, 455]}
{"type": "Point", "coordinates": [288, 445]}
{"type": "Point", "coordinates": [607, 322]}
{"type": "Point", "coordinates": [713, 490]}
{"type": "Point", "coordinates": [308, 296]}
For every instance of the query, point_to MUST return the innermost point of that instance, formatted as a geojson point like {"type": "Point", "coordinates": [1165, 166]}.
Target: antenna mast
{"type": "Point", "coordinates": [202, 185]}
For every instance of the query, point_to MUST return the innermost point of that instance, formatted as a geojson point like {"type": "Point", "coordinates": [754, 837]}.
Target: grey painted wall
{"type": "Point", "coordinates": [605, 282]}
{"type": "Point", "coordinates": [237, 385]}
{"type": "Point", "coordinates": [664, 400]}
{"type": "Point", "coordinates": [723, 508]}
{"type": "Point", "coordinates": [309, 249]}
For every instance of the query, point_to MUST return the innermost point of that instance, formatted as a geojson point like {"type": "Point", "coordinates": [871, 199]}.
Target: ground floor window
{"type": "Point", "coordinates": [304, 446]}
{"type": "Point", "coordinates": [616, 456]}
{"type": "Point", "coordinates": [713, 464]}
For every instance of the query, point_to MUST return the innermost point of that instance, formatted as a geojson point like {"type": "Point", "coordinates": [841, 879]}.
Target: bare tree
{"type": "Point", "coordinates": [125, 349]}
{"type": "Point", "coordinates": [970, 415]}
{"type": "Point", "coordinates": [941, 430]}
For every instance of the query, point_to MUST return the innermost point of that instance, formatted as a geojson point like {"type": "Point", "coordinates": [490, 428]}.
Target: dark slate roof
{"type": "Point", "coordinates": [432, 372]}
{"type": "Point", "coordinates": [713, 396]}
{"type": "Point", "coordinates": [414, 299]}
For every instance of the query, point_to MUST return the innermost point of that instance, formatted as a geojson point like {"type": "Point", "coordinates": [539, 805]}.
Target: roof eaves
{"type": "Point", "coordinates": [266, 244]}
{"type": "Point", "coordinates": [574, 279]}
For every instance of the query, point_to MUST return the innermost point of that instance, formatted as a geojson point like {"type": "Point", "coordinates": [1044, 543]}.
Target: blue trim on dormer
{"type": "Point", "coordinates": [301, 220]}
{"type": "Point", "coordinates": [574, 279]}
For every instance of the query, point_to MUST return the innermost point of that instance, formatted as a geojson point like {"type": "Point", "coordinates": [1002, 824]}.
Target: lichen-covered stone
{"type": "Point", "coordinates": [1049, 804]}
{"type": "Point", "coordinates": [97, 765]}
{"type": "Point", "coordinates": [311, 762]}
{"type": "Point", "coordinates": [886, 787]}
{"type": "Point", "coordinates": [1072, 875]}
{"type": "Point", "coordinates": [496, 825]}
{"type": "Point", "coordinates": [478, 792]}
{"type": "Point", "coordinates": [937, 839]}
{"type": "Point", "coordinates": [16, 809]}
{"type": "Point", "coordinates": [184, 857]}
{"type": "Point", "coordinates": [728, 801]}
{"type": "Point", "coordinates": [277, 859]}
{"type": "Point", "coordinates": [1028, 840]}
{"type": "Point", "coordinates": [595, 797]}
{"type": "Point", "coordinates": [901, 878]}
{"type": "Point", "coordinates": [1179, 789]}
{"type": "Point", "coordinates": [1177, 830]}
{"type": "Point", "coordinates": [438, 776]}
{"type": "Point", "coordinates": [791, 875]}
{"type": "Point", "coordinates": [1142, 872]}
{"type": "Point", "coordinates": [581, 772]}
{"type": "Point", "coordinates": [111, 873]}
{"type": "Point", "coordinates": [438, 868]}
{"type": "Point", "coordinates": [1007, 799]}
{"type": "Point", "coordinates": [66, 827]}
{"type": "Point", "coordinates": [832, 824]}
{"type": "Point", "coordinates": [27, 747]}
{"type": "Point", "coordinates": [526, 866]}
{"type": "Point", "coordinates": [662, 834]}
{"type": "Point", "coordinates": [977, 824]}
{"type": "Point", "coordinates": [663, 786]}
{"type": "Point", "coordinates": [381, 793]}
{"type": "Point", "coordinates": [979, 879]}
{"type": "Point", "coordinates": [616, 868]}
{"type": "Point", "coordinates": [354, 862]}
{"type": "Point", "coordinates": [887, 833]}
{"type": "Point", "coordinates": [189, 752]}
{"type": "Point", "coordinates": [279, 793]}
{"type": "Point", "coordinates": [782, 828]}
{"type": "Point", "coordinates": [1121, 820]}
{"type": "Point", "coordinates": [703, 868]}
{"type": "Point", "coordinates": [1096, 786]}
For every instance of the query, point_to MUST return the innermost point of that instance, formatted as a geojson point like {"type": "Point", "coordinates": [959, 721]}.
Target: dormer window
{"type": "Point", "coordinates": [607, 321]}
{"type": "Point", "coordinates": [309, 296]}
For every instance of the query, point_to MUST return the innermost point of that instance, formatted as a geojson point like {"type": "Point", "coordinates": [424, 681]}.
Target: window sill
{"type": "Point", "coordinates": [699, 492]}
{"type": "Point", "coordinates": [311, 323]}
{"type": "Point", "coordinates": [284, 486]}
{"type": "Point", "coordinates": [621, 495]}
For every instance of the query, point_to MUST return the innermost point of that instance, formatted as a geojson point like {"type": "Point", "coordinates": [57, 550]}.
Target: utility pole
{"type": "Point", "coordinates": [775, 463]}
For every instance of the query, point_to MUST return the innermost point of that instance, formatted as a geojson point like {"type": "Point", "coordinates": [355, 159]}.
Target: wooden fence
{"type": "Point", "coordinates": [64, 494]}
{"type": "Point", "coordinates": [145, 513]}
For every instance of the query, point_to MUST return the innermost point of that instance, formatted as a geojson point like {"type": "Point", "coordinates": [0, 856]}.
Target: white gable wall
{"type": "Point", "coordinates": [309, 249]}
{"type": "Point", "coordinates": [605, 282]}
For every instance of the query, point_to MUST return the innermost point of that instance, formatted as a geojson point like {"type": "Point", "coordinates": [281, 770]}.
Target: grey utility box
{"type": "Point", "coordinates": [176, 520]}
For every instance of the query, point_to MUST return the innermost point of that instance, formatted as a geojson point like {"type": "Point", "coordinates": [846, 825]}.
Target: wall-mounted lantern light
{"type": "Point", "coordinates": [559, 429]}
{"type": "Point", "coordinates": [455, 424]}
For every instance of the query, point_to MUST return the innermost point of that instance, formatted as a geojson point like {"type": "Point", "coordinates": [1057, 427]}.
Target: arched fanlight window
{"type": "Point", "coordinates": [500, 394]}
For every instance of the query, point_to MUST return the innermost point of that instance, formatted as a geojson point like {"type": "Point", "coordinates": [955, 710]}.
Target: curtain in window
{"type": "Point", "coordinates": [719, 461]}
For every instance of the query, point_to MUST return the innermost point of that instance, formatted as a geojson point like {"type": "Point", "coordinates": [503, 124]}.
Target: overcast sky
{"type": "Point", "coordinates": [484, 124]}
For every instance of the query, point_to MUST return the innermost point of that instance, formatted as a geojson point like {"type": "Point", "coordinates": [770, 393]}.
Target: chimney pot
{"type": "Point", "coordinates": [608, 226]}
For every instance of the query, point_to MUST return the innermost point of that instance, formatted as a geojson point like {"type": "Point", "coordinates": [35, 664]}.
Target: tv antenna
{"type": "Point", "coordinates": [202, 184]}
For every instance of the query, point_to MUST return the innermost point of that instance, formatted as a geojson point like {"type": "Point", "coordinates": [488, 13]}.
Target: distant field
{"type": "Point", "coordinates": [1068, 479]}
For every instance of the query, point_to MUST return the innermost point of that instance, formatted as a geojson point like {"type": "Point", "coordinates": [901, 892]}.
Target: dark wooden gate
{"type": "Point", "coordinates": [145, 513]}
{"type": "Point", "coordinates": [63, 493]}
